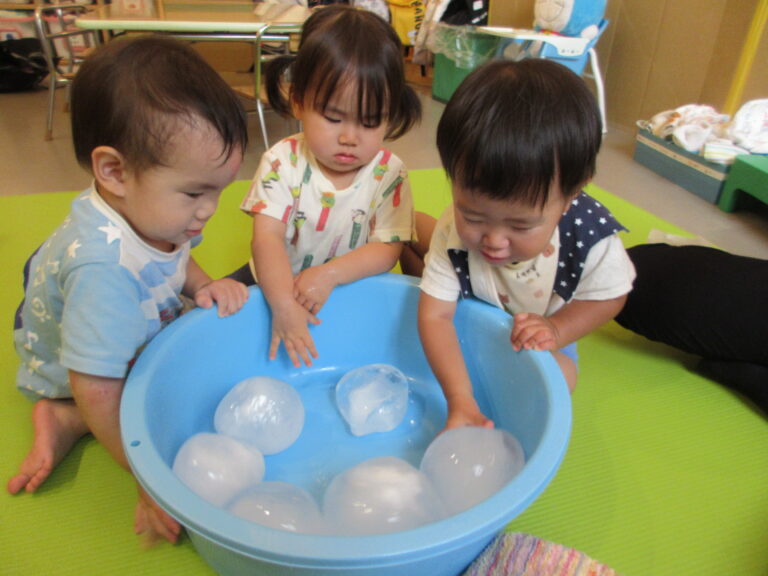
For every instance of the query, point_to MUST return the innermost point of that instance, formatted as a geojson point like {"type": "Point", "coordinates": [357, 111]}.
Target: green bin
{"type": "Point", "coordinates": [459, 50]}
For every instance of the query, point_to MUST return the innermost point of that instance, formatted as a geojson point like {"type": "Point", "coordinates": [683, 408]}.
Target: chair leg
{"type": "Point", "coordinates": [51, 101]}
{"type": "Point", "coordinates": [67, 96]}
{"type": "Point", "coordinates": [262, 124]}
{"type": "Point", "coordinates": [599, 88]}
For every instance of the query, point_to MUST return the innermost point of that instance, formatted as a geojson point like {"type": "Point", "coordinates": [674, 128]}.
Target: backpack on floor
{"type": "Point", "coordinates": [22, 64]}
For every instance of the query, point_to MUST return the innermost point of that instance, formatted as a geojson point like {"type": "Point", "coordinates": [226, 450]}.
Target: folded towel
{"type": "Point", "coordinates": [722, 151]}
{"type": "Point", "coordinates": [514, 554]}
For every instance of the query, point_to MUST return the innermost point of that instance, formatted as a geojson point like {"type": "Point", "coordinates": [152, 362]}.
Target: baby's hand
{"type": "Point", "coordinates": [229, 294]}
{"type": "Point", "coordinates": [312, 287]}
{"type": "Point", "coordinates": [289, 325]}
{"type": "Point", "coordinates": [533, 332]}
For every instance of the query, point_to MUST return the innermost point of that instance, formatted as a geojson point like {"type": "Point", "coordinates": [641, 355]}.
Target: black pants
{"type": "Point", "coordinates": [709, 303]}
{"type": "Point", "coordinates": [244, 275]}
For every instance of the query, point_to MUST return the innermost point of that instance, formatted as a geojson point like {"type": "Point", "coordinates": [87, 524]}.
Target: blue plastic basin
{"type": "Point", "coordinates": [177, 382]}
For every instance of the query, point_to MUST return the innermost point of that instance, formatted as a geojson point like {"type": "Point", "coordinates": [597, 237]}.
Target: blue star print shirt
{"type": "Point", "coordinates": [584, 260]}
{"type": "Point", "coordinates": [95, 293]}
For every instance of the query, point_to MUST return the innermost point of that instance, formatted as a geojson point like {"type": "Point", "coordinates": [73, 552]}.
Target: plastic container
{"type": "Point", "coordinates": [458, 51]}
{"type": "Point", "coordinates": [691, 171]}
{"type": "Point", "coordinates": [177, 382]}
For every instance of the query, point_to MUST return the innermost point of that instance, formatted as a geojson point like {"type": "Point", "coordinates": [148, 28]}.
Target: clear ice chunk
{"type": "Point", "coordinates": [378, 496]}
{"type": "Point", "coordinates": [279, 505]}
{"type": "Point", "coordinates": [218, 467]}
{"type": "Point", "coordinates": [372, 398]}
{"type": "Point", "coordinates": [467, 465]}
{"type": "Point", "coordinates": [262, 411]}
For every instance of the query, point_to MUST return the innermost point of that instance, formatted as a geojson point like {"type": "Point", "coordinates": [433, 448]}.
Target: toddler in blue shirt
{"type": "Point", "coordinates": [162, 135]}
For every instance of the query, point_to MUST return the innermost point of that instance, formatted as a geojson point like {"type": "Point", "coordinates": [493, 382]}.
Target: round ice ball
{"type": "Point", "coordinates": [217, 467]}
{"type": "Point", "coordinates": [279, 505]}
{"type": "Point", "coordinates": [372, 398]}
{"type": "Point", "coordinates": [467, 465]}
{"type": "Point", "coordinates": [265, 412]}
{"type": "Point", "coordinates": [379, 496]}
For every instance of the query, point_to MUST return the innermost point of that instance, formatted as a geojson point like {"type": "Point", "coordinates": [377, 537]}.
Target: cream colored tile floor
{"type": "Point", "coordinates": [30, 165]}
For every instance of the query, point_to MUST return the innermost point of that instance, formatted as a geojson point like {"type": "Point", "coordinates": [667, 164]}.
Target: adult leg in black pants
{"type": "Point", "coordinates": [709, 303]}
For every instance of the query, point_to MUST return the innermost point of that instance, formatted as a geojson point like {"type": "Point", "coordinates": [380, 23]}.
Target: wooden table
{"type": "Point", "coordinates": [223, 19]}
{"type": "Point", "coordinates": [200, 21]}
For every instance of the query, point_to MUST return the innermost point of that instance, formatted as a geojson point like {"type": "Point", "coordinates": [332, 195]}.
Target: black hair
{"type": "Point", "coordinates": [131, 93]}
{"type": "Point", "coordinates": [342, 44]}
{"type": "Point", "coordinates": [512, 129]}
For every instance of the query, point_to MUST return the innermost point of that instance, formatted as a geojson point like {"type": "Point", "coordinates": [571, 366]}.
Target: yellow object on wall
{"type": "Point", "coordinates": [407, 17]}
{"type": "Point", "coordinates": [747, 58]}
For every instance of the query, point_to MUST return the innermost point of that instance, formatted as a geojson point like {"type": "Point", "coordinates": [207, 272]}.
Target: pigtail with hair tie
{"type": "Point", "coordinates": [276, 83]}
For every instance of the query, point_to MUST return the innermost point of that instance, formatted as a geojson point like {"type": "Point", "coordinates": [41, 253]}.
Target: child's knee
{"type": "Point", "coordinates": [414, 252]}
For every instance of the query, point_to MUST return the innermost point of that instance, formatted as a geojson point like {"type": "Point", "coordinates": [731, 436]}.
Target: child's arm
{"type": "Point", "coordinates": [229, 294]}
{"type": "Point", "coordinates": [313, 285]}
{"type": "Point", "coordinates": [441, 346]}
{"type": "Point", "coordinates": [573, 321]}
{"type": "Point", "coordinates": [98, 400]}
{"type": "Point", "coordinates": [273, 269]}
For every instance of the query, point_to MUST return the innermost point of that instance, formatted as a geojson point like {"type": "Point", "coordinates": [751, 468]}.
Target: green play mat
{"type": "Point", "coordinates": [665, 474]}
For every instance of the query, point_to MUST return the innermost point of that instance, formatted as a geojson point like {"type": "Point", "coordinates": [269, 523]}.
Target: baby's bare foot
{"type": "Point", "coordinates": [58, 426]}
{"type": "Point", "coordinates": [153, 523]}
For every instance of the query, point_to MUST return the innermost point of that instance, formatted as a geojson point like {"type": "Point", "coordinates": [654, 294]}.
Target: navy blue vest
{"type": "Point", "coordinates": [584, 224]}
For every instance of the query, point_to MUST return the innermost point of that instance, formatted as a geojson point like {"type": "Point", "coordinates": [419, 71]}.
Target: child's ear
{"type": "Point", "coordinates": [109, 169]}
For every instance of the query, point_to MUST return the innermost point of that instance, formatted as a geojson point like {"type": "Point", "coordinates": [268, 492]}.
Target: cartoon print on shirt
{"type": "Point", "coordinates": [293, 157]}
{"type": "Point", "coordinates": [52, 267]}
{"type": "Point", "coordinates": [298, 222]}
{"type": "Point", "coordinates": [383, 166]}
{"type": "Point", "coordinates": [294, 207]}
{"type": "Point", "coordinates": [296, 190]}
{"type": "Point", "coordinates": [112, 232]}
{"type": "Point", "coordinates": [258, 207]}
{"type": "Point", "coordinates": [30, 339]}
{"type": "Point", "coordinates": [73, 248]}
{"type": "Point", "coordinates": [39, 277]}
{"type": "Point", "coordinates": [395, 187]}
{"type": "Point", "coordinates": [38, 309]}
{"type": "Point", "coordinates": [358, 216]}
{"type": "Point", "coordinates": [334, 248]}
{"type": "Point", "coordinates": [34, 364]}
{"type": "Point", "coordinates": [272, 176]}
{"type": "Point", "coordinates": [327, 200]}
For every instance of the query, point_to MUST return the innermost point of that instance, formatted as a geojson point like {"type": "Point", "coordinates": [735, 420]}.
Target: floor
{"type": "Point", "coordinates": [30, 165]}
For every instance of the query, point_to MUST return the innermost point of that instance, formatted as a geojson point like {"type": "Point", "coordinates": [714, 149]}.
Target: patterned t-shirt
{"type": "Point", "coordinates": [321, 221]}
{"type": "Point", "coordinates": [95, 293]}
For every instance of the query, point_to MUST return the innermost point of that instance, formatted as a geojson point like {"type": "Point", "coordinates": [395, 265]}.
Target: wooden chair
{"type": "Point", "coordinates": [64, 45]}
